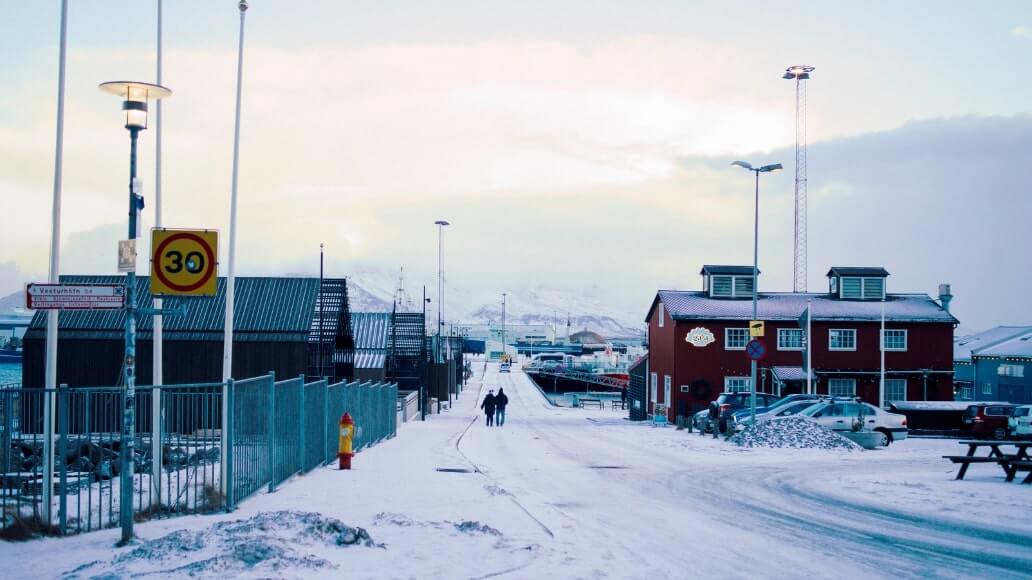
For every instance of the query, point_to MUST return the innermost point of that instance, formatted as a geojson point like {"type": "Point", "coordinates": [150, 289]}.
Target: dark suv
{"type": "Point", "coordinates": [729, 403]}
{"type": "Point", "coordinates": [987, 420]}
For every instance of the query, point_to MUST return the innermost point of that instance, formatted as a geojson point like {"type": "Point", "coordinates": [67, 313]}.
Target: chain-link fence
{"type": "Point", "coordinates": [181, 455]}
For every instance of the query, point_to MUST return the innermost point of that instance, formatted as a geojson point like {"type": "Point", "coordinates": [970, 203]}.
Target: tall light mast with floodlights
{"type": "Point", "coordinates": [799, 73]}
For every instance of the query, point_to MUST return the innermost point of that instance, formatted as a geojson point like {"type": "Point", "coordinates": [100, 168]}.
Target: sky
{"type": "Point", "coordinates": [570, 144]}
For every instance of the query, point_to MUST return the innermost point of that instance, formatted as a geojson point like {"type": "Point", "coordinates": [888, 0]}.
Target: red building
{"type": "Point", "coordinates": [697, 340]}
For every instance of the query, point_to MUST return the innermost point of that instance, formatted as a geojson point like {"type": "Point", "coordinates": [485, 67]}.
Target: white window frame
{"type": "Point", "coordinates": [654, 388]}
{"type": "Point", "coordinates": [667, 382]}
{"type": "Point", "coordinates": [711, 287]}
{"type": "Point", "coordinates": [734, 286]}
{"type": "Point", "coordinates": [1009, 370]}
{"type": "Point", "coordinates": [863, 288]}
{"type": "Point", "coordinates": [863, 281]}
{"type": "Point", "coordinates": [987, 388]}
{"type": "Point", "coordinates": [785, 331]}
{"type": "Point", "coordinates": [895, 384]}
{"type": "Point", "coordinates": [662, 315]}
{"type": "Point", "coordinates": [686, 388]}
{"type": "Point", "coordinates": [839, 348]}
{"type": "Point", "coordinates": [885, 341]}
{"type": "Point", "coordinates": [737, 384]}
{"type": "Point", "coordinates": [727, 338]}
{"type": "Point", "coordinates": [849, 392]}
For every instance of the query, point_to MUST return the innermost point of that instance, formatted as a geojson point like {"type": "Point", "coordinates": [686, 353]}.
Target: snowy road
{"type": "Point", "coordinates": [575, 493]}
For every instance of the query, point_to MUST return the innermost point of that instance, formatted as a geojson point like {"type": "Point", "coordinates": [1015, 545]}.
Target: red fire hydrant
{"type": "Point", "coordinates": [347, 433]}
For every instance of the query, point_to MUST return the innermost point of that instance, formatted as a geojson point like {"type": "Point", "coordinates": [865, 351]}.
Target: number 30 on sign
{"type": "Point", "coordinates": [184, 262]}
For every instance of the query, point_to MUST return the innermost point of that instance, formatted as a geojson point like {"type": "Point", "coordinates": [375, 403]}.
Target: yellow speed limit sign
{"type": "Point", "coordinates": [184, 262]}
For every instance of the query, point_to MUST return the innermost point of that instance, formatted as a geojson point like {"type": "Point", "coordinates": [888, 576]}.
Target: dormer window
{"type": "Point", "coordinates": [857, 283]}
{"type": "Point", "coordinates": [728, 281]}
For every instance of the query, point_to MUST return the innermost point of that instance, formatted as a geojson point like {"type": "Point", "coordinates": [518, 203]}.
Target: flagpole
{"type": "Point", "coordinates": [55, 278]}
{"type": "Point", "coordinates": [227, 346]}
{"type": "Point", "coordinates": [156, 341]}
{"type": "Point", "coordinates": [809, 349]}
{"type": "Point", "coordinates": [881, 347]}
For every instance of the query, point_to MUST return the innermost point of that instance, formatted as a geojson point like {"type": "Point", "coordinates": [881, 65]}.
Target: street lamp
{"type": "Point", "coordinates": [135, 97]}
{"type": "Point", "coordinates": [440, 289]}
{"type": "Point", "coordinates": [756, 246]}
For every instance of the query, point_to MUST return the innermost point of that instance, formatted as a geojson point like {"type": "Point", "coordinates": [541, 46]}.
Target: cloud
{"type": "Point", "coordinates": [603, 163]}
{"type": "Point", "coordinates": [941, 200]}
{"type": "Point", "coordinates": [1021, 31]}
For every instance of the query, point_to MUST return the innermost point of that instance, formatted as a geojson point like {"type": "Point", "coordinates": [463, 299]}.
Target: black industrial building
{"type": "Point", "coordinates": [292, 326]}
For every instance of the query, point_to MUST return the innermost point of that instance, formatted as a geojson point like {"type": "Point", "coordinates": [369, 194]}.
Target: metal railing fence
{"type": "Point", "coordinates": [184, 462]}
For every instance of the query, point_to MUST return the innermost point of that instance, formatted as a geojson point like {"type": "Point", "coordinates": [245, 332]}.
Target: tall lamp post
{"type": "Point", "coordinates": [755, 269]}
{"type": "Point", "coordinates": [135, 96]}
{"type": "Point", "coordinates": [440, 290]}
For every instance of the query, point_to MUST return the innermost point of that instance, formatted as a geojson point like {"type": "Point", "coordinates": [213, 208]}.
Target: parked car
{"type": "Point", "coordinates": [741, 418]}
{"type": "Point", "coordinates": [505, 367]}
{"type": "Point", "coordinates": [1019, 424]}
{"type": "Point", "coordinates": [987, 420]}
{"type": "Point", "coordinates": [841, 416]}
{"type": "Point", "coordinates": [730, 402]}
{"type": "Point", "coordinates": [786, 400]}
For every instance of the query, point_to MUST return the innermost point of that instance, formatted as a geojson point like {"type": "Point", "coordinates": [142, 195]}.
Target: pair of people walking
{"type": "Point", "coordinates": [494, 407]}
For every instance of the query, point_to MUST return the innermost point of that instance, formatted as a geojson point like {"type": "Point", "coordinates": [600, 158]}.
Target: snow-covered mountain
{"type": "Point", "coordinates": [586, 308]}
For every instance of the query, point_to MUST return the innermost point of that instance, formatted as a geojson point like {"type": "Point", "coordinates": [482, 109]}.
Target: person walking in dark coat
{"type": "Point", "coordinates": [714, 418]}
{"type": "Point", "coordinates": [489, 406]}
{"type": "Point", "coordinates": [500, 402]}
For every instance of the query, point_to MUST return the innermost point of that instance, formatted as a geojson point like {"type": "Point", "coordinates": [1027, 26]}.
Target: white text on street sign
{"type": "Point", "coordinates": [75, 296]}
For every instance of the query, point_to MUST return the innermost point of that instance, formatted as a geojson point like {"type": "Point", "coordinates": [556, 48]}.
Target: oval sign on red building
{"type": "Point", "coordinates": [700, 337]}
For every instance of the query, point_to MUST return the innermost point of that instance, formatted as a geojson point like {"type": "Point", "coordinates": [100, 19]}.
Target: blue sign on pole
{"type": "Point", "coordinates": [755, 350]}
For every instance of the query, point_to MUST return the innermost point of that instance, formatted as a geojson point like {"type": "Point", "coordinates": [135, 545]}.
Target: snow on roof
{"type": "Point", "coordinates": [690, 305]}
{"type": "Point", "coordinates": [1018, 346]}
{"type": "Point", "coordinates": [789, 373]}
{"type": "Point", "coordinates": [964, 347]}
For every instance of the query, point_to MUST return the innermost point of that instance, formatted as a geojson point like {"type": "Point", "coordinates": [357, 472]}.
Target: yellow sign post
{"type": "Point", "coordinates": [184, 262]}
{"type": "Point", "coordinates": [755, 328]}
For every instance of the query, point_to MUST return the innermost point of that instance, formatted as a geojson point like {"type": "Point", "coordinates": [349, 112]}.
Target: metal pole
{"type": "Point", "coordinates": [809, 349]}
{"type": "Point", "coordinates": [125, 500]}
{"type": "Point", "coordinates": [54, 278]}
{"type": "Point", "coordinates": [227, 350]}
{"type": "Point", "coordinates": [319, 355]}
{"type": "Point", "coordinates": [422, 381]}
{"type": "Point", "coordinates": [503, 323]}
{"type": "Point", "coordinates": [440, 234]}
{"type": "Point", "coordinates": [157, 374]}
{"type": "Point", "coordinates": [756, 248]}
{"type": "Point", "coordinates": [227, 346]}
{"type": "Point", "coordinates": [881, 348]}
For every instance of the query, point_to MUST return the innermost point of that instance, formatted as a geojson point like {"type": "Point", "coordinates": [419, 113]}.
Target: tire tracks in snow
{"type": "Point", "coordinates": [872, 538]}
{"type": "Point", "coordinates": [479, 471]}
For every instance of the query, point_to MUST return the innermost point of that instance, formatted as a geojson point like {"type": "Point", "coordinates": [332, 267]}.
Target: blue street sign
{"type": "Point", "coordinates": [755, 350]}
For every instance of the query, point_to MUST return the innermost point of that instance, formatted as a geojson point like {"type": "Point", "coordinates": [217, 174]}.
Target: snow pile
{"type": "Point", "coordinates": [265, 544]}
{"type": "Point", "coordinates": [793, 432]}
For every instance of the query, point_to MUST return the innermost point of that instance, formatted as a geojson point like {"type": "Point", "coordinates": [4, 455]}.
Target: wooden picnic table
{"type": "Point", "coordinates": [1011, 463]}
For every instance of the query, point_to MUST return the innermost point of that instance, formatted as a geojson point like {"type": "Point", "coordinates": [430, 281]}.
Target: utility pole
{"type": "Point", "coordinates": [503, 323]}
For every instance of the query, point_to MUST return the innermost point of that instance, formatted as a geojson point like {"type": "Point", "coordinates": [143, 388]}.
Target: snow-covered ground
{"type": "Point", "coordinates": [576, 493]}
